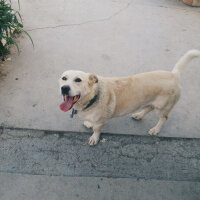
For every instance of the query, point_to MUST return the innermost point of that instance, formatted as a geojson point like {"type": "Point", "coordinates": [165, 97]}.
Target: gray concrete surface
{"type": "Point", "coordinates": [118, 156]}
{"type": "Point", "coordinates": [110, 38]}
{"type": "Point", "coordinates": [18, 187]}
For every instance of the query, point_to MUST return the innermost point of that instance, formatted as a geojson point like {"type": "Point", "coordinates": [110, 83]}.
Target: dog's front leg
{"type": "Point", "coordinates": [93, 140]}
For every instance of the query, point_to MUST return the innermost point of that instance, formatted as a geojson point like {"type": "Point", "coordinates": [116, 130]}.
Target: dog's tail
{"type": "Point", "coordinates": [184, 61]}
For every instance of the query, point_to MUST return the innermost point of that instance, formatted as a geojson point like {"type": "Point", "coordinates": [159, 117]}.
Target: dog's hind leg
{"type": "Point", "coordinates": [142, 113]}
{"type": "Point", "coordinates": [163, 113]}
{"type": "Point", "coordinates": [156, 129]}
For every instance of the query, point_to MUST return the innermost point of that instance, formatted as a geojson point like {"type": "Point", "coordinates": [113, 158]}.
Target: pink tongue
{"type": "Point", "coordinates": [67, 104]}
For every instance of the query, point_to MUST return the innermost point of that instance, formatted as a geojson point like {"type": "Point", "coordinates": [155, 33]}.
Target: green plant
{"type": "Point", "coordinates": [10, 23]}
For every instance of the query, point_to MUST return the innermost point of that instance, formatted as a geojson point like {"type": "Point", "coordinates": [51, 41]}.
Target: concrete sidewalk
{"type": "Point", "coordinates": [35, 187]}
{"type": "Point", "coordinates": [49, 165]}
{"type": "Point", "coordinates": [45, 154]}
{"type": "Point", "coordinates": [110, 38]}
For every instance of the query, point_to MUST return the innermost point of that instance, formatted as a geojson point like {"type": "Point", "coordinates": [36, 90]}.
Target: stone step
{"type": "Point", "coordinates": [117, 156]}
{"type": "Point", "coordinates": [34, 187]}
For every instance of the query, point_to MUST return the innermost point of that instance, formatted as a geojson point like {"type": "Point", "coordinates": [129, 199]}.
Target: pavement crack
{"type": "Point", "coordinates": [86, 22]}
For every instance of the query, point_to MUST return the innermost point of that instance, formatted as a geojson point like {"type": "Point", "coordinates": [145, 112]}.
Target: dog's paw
{"type": "Point", "coordinates": [93, 140]}
{"type": "Point", "coordinates": [154, 131]}
{"type": "Point", "coordinates": [87, 124]}
{"type": "Point", "coordinates": [137, 116]}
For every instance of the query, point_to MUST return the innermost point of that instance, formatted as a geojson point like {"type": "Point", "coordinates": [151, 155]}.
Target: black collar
{"type": "Point", "coordinates": [92, 101]}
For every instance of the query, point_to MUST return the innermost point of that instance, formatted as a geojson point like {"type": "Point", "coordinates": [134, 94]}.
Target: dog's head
{"type": "Point", "coordinates": [77, 88]}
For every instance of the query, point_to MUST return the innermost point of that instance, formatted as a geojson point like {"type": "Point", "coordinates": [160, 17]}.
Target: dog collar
{"type": "Point", "coordinates": [92, 101]}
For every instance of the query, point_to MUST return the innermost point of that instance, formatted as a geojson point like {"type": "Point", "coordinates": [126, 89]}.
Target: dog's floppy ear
{"type": "Point", "coordinates": [92, 79]}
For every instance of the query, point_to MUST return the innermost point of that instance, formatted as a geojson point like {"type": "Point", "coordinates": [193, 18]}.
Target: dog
{"type": "Point", "coordinates": [97, 99]}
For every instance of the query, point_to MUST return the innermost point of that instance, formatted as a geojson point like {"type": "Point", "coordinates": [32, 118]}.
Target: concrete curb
{"type": "Point", "coordinates": [117, 156]}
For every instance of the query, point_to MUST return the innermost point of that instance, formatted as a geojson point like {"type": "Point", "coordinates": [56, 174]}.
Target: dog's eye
{"type": "Point", "coordinates": [77, 80]}
{"type": "Point", "coordinates": [64, 78]}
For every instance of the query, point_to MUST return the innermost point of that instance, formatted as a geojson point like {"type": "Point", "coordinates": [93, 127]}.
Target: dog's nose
{"type": "Point", "coordinates": [65, 89]}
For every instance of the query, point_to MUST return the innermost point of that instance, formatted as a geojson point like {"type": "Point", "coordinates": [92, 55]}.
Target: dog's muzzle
{"type": "Point", "coordinates": [65, 90]}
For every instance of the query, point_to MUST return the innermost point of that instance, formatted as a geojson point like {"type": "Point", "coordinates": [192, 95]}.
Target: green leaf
{"type": "Point", "coordinates": [10, 19]}
{"type": "Point", "coordinates": [28, 36]}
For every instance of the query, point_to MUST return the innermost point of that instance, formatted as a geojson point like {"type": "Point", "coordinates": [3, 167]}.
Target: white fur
{"type": "Point", "coordinates": [157, 90]}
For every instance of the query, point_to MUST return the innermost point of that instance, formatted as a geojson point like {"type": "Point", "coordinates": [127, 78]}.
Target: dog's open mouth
{"type": "Point", "coordinates": [69, 101]}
